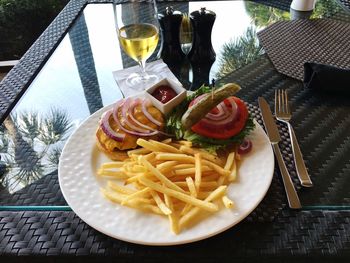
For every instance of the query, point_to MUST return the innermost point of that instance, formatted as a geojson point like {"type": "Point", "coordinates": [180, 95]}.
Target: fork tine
{"type": "Point", "coordinates": [280, 105]}
{"type": "Point", "coordinates": [287, 102]}
{"type": "Point", "coordinates": [276, 102]}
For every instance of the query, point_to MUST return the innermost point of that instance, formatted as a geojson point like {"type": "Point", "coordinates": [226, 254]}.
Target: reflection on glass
{"type": "Point", "coordinates": [239, 52]}
{"type": "Point", "coordinates": [30, 146]}
{"type": "Point", "coordinates": [186, 34]}
{"type": "Point", "coordinates": [79, 38]}
{"type": "Point", "coordinates": [263, 15]}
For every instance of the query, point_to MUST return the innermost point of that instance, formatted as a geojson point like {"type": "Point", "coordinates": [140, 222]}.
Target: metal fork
{"type": "Point", "coordinates": [283, 114]}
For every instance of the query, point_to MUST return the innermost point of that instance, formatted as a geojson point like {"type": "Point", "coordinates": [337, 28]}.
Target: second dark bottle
{"type": "Point", "coordinates": [170, 22]}
{"type": "Point", "coordinates": [202, 23]}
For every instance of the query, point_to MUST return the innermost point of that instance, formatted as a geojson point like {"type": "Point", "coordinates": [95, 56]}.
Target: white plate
{"type": "Point", "coordinates": [80, 160]}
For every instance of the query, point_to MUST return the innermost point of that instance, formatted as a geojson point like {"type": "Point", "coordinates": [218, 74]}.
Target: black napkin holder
{"type": "Point", "coordinates": [326, 78]}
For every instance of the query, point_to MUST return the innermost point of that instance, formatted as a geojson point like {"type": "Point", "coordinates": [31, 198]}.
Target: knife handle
{"type": "Point", "coordinates": [292, 196]}
{"type": "Point", "coordinates": [299, 161]}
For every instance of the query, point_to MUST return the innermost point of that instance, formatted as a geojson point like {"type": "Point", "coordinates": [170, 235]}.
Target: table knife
{"type": "Point", "coordinates": [275, 138]}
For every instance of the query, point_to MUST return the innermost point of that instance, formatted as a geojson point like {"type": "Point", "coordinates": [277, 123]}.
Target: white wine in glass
{"type": "Point", "coordinates": [138, 34]}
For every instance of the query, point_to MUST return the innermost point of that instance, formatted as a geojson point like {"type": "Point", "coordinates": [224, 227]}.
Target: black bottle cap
{"type": "Point", "coordinates": [203, 12]}
{"type": "Point", "coordinates": [169, 11]}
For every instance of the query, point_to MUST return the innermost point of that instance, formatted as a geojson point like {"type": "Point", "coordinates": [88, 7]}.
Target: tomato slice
{"type": "Point", "coordinates": [227, 130]}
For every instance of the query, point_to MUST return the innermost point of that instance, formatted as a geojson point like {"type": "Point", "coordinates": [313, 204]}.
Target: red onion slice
{"type": "Point", "coordinates": [106, 128]}
{"type": "Point", "coordinates": [124, 110]}
{"type": "Point", "coordinates": [116, 119]}
{"type": "Point", "coordinates": [145, 103]}
{"type": "Point", "coordinates": [222, 113]}
{"type": "Point", "coordinates": [131, 110]}
{"type": "Point", "coordinates": [232, 116]}
{"type": "Point", "coordinates": [245, 147]}
{"type": "Point", "coordinates": [132, 117]}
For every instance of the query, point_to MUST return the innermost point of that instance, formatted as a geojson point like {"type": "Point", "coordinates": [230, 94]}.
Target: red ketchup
{"type": "Point", "coordinates": [164, 93]}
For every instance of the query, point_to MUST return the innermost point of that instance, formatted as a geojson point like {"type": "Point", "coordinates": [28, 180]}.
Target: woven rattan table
{"type": "Point", "coordinates": [66, 76]}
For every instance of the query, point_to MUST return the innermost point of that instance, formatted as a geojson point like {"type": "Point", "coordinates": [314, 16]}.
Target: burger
{"type": "Point", "coordinates": [121, 126]}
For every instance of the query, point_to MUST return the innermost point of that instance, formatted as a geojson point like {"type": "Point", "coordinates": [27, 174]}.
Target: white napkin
{"type": "Point", "coordinates": [158, 68]}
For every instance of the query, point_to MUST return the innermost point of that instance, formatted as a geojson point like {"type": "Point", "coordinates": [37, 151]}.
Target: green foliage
{"type": "Point", "coordinates": [54, 127]}
{"type": "Point", "coordinates": [21, 23]}
{"type": "Point", "coordinates": [239, 52]}
{"type": "Point", "coordinates": [263, 15]}
{"type": "Point", "coordinates": [325, 8]}
{"type": "Point", "coordinates": [30, 145]}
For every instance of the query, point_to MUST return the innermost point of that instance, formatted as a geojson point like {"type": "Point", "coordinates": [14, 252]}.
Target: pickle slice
{"type": "Point", "coordinates": [207, 103]}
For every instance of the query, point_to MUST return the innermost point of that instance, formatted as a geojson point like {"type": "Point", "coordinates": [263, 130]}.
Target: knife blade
{"type": "Point", "coordinates": [275, 138]}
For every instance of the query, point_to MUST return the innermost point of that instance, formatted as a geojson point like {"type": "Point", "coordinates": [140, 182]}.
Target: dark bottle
{"type": "Point", "coordinates": [202, 54]}
{"type": "Point", "coordinates": [202, 23]}
{"type": "Point", "coordinates": [170, 22]}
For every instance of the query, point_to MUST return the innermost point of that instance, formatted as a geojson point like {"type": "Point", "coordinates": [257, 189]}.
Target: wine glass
{"type": "Point", "coordinates": [186, 34]}
{"type": "Point", "coordinates": [138, 33]}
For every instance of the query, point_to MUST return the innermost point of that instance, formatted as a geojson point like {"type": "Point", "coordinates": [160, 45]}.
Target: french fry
{"type": "Point", "coordinates": [183, 166]}
{"type": "Point", "coordinates": [191, 186]}
{"type": "Point", "coordinates": [233, 174]}
{"type": "Point", "coordinates": [173, 219]}
{"type": "Point", "coordinates": [160, 176]}
{"type": "Point", "coordinates": [210, 184]}
{"type": "Point", "coordinates": [119, 188]}
{"type": "Point", "coordinates": [138, 151]}
{"type": "Point", "coordinates": [207, 156]}
{"type": "Point", "coordinates": [166, 210]}
{"type": "Point", "coordinates": [186, 143]}
{"type": "Point", "coordinates": [168, 140]}
{"type": "Point", "coordinates": [163, 147]}
{"type": "Point", "coordinates": [166, 165]}
{"type": "Point", "coordinates": [175, 157]}
{"type": "Point", "coordinates": [171, 178]}
{"type": "Point", "coordinates": [180, 195]}
{"type": "Point", "coordinates": [194, 211]}
{"type": "Point", "coordinates": [198, 170]}
{"type": "Point", "coordinates": [110, 173]}
{"type": "Point", "coordinates": [136, 194]}
{"type": "Point", "coordinates": [192, 170]}
{"type": "Point", "coordinates": [216, 167]}
{"type": "Point", "coordinates": [147, 145]}
{"type": "Point", "coordinates": [111, 165]}
{"type": "Point", "coordinates": [228, 203]}
{"type": "Point", "coordinates": [112, 196]}
{"type": "Point", "coordinates": [229, 161]}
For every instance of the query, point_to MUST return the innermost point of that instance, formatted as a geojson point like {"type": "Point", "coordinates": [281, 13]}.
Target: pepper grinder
{"type": "Point", "coordinates": [202, 54]}
{"type": "Point", "coordinates": [202, 23]}
{"type": "Point", "coordinates": [170, 22]}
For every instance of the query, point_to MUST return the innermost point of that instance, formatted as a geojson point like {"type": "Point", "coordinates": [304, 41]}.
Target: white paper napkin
{"type": "Point", "coordinates": [158, 68]}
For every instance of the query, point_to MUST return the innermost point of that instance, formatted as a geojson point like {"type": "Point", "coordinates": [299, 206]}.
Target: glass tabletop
{"type": "Point", "coordinates": [77, 80]}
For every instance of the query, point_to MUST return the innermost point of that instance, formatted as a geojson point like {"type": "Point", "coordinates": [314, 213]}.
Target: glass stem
{"type": "Point", "coordinates": [142, 64]}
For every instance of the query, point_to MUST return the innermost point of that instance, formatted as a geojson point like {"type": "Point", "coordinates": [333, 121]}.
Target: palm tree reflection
{"type": "Point", "coordinates": [30, 146]}
{"type": "Point", "coordinates": [239, 52]}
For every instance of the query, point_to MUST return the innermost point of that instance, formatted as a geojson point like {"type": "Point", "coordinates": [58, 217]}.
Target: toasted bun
{"type": "Point", "coordinates": [115, 155]}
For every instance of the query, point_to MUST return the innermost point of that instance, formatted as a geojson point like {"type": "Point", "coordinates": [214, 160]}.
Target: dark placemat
{"type": "Point", "coordinates": [345, 4]}
{"type": "Point", "coordinates": [43, 192]}
{"type": "Point", "coordinates": [293, 234]}
{"type": "Point", "coordinates": [290, 44]}
{"type": "Point", "coordinates": [321, 123]}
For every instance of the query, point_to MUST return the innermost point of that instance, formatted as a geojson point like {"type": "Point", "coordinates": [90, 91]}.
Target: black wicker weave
{"type": "Point", "coordinates": [272, 233]}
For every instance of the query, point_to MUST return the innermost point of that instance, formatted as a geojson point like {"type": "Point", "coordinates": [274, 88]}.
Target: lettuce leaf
{"type": "Point", "coordinates": [174, 126]}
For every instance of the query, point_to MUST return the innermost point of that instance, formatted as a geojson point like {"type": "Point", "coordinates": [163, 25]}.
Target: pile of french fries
{"type": "Point", "coordinates": [171, 178]}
